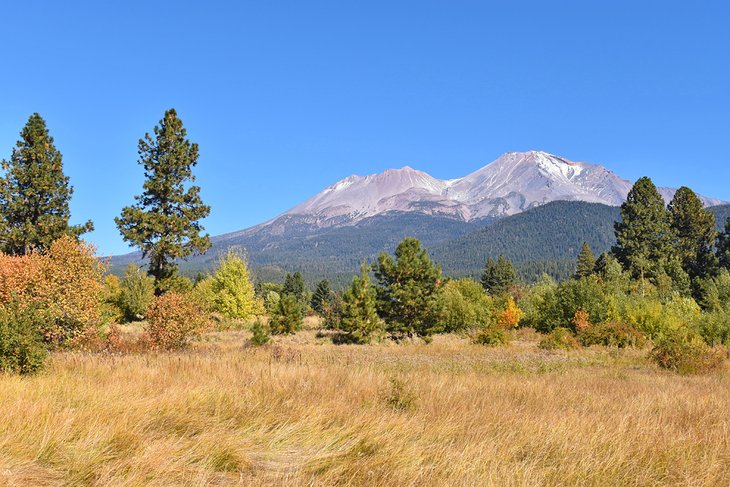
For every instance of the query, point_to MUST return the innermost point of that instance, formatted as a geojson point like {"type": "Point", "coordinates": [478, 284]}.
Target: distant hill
{"type": "Point", "coordinates": [543, 239]}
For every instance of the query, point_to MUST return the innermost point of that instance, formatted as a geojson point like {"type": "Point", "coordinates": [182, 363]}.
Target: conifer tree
{"type": "Point", "coordinates": [498, 276]}
{"type": "Point", "coordinates": [409, 290]}
{"type": "Point", "coordinates": [723, 246]}
{"type": "Point", "coordinates": [322, 296]}
{"type": "Point", "coordinates": [693, 233]}
{"type": "Point", "coordinates": [294, 285]}
{"type": "Point", "coordinates": [164, 223]}
{"type": "Point", "coordinates": [35, 194]}
{"type": "Point", "coordinates": [287, 316]}
{"type": "Point", "coordinates": [643, 236]}
{"type": "Point", "coordinates": [586, 262]}
{"type": "Point", "coordinates": [359, 317]}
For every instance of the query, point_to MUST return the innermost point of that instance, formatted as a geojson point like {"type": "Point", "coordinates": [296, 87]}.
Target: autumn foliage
{"type": "Point", "coordinates": [66, 282]}
{"type": "Point", "coordinates": [172, 320]}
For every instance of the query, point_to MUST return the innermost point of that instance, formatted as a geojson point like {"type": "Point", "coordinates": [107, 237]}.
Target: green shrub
{"type": "Point", "coordinates": [136, 294]}
{"type": "Point", "coordinates": [559, 339]}
{"type": "Point", "coordinates": [287, 317]}
{"type": "Point", "coordinates": [465, 306]}
{"type": "Point", "coordinates": [612, 334]}
{"type": "Point", "coordinates": [715, 327]}
{"type": "Point", "coordinates": [22, 349]}
{"type": "Point", "coordinates": [685, 354]}
{"type": "Point", "coordinates": [260, 333]}
{"type": "Point", "coordinates": [492, 336]}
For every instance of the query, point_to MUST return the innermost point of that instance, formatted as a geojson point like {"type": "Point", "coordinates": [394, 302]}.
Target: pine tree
{"type": "Point", "coordinates": [322, 295]}
{"type": "Point", "coordinates": [287, 316]}
{"type": "Point", "coordinates": [35, 194]}
{"type": "Point", "coordinates": [409, 290]}
{"type": "Point", "coordinates": [586, 262]}
{"type": "Point", "coordinates": [164, 222]}
{"type": "Point", "coordinates": [232, 289]}
{"type": "Point", "coordinates": [643, 236]}
{"type": "Point", "coordinates": [723, 246]}
{"type": "Point", "coordinates": [693, 233]}
{"type": "Point", "coordinates": [359, 317]}
{"type": "Point", "coordinates": [294, 285]}
{"type": "Point", "coordinates": [499, 276]}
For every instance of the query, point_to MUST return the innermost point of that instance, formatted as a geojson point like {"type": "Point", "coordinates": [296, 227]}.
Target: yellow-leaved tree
{"type": "Point", "coordinates": [232, 291]}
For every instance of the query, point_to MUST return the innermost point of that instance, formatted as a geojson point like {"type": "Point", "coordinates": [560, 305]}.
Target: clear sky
{"type": "Point", "coordinates": [285, 98]}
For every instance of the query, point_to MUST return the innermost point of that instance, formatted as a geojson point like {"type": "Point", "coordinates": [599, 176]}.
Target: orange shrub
{"type": "Point", "coordinates": [66, 282]}
{"type": "Point", "coordinates": [172, 320]}
{"type": "Point", "coordinates": [16, 274]}
{"type": "Point", "coordinates": [510, 316]}
{"type": "Point", "coordinates": [581, 320]}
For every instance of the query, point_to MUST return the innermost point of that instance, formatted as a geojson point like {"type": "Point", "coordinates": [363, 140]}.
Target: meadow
{"type": "Point", "coordinates": [302, 411]}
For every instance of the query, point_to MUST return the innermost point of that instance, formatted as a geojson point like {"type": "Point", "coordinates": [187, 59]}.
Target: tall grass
{"type": "Point", "coordinates": [304, 412]}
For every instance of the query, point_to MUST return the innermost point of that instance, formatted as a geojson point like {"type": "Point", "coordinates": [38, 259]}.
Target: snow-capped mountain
{"type": "Point", "coordinates": [514, 182]}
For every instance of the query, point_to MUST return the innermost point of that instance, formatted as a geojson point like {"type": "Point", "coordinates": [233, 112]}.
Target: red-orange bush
{"type": "Point", "coordinates": [65, 282]}
{"type": "Point", "coordinates": [172, 320]}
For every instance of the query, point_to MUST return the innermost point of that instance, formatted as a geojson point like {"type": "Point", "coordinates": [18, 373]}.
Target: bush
{"type": "Point", "coordinates": [685, 354]}
{"type": "Point", "coordinates": [715, 327]}
{"type": "Point", "coordinates": [287, 317]}
{"type": "Point", "coordinates": [260, 333]}
{"type": "Point", "coordinates": [492, 336]}
{"type": "Point", "coordinates": [465, 306]}
{"type": "Point", "coordinates": [612, 334]}
{"type": "Point", "coordinates": [172, 321]}
{"type": "Point", "coordinates": [399, 397]}
{"type": "Point", "coordinates": [137, 293]}
{"type": "Point", "coordinates": [69, 288]}
{"type": "Point", "coordinates": [22, 349]}
{"type": "Point", "coordinates": [559, 339]}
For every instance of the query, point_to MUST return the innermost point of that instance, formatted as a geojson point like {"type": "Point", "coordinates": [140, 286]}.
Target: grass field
{"type": "Point", "coordinates": [305, 412]}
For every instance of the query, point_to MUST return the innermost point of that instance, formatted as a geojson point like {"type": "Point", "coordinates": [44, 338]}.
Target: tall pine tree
{"type": "Point", "coordinates": [359, 318]}
{"type": "Point", "coordinates": [693, 233]}
{"type": "Point", "coordinates": [498, 276]}
{"type": "Point", "coordinates": [586, 263]}
{"type": "Point", "coordinates": [165, 221]}
{"type": "Point", "coordinates": [409, 290]}
{"type": "Point", "coordinates": [35, 194]}
{"type": "Point", "coordinates": [643, 237]}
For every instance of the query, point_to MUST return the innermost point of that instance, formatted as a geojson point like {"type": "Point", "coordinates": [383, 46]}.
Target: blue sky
{"type": "Point", "coordinates": [285, 98]}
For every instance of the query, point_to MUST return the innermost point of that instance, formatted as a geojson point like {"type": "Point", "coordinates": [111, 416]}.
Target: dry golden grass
{"type": "Point", "coordinates": [305, 412]}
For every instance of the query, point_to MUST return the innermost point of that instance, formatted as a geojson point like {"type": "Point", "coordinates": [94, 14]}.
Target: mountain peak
{"type": "Point", "coordinates": [512, 183]}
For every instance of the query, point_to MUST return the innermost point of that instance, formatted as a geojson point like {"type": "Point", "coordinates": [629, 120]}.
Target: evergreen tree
{"type": "Point", "coordinates": [232, 289]}
{"type": "Point", "coordinates": [693, 233]}
{"type": "Point", "coordinates": [586, 262]}
{"type": "Point", "coordinates": [409, 289]}
{"type": "Point", "coordinates": [294, 285]}
{"type": "Point", "coordinates": [35, 194]}
{"type": "Point", "coordinates": [164, 222]}
{"type": "Point", "coordinates": [359, 317]}
{"type": "Point", "coordinates": [499, 276]}
{"type": "Point", "coordinates": [287, 316]}
{"type": "Point", "coordinates": [643, 236]}
{"type": "Point", "coordinates": [322, 295]}
{"type": "Point", "coordinates": [723, 246]}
